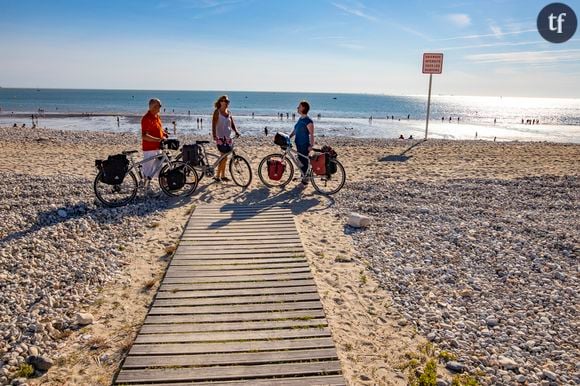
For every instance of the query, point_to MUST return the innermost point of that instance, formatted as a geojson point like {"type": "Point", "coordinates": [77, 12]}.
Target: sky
{"type": "Point", "coordinates": [490, 47]}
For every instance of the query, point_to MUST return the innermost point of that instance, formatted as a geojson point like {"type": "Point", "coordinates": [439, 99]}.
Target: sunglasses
{"type": "Point", "coordinates": [226, 101]}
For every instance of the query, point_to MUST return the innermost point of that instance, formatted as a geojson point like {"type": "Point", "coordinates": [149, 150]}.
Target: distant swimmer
{"type": "Point", "coordinates": [188, 112]}
{"type": "Point", "coordinates": [401, 136]}
{"type": "Point", "coordinates": [449, 119]}
{"type": "Point", "coordinates": [411, 136]}
{"type": "Point", "coordinates": [442, 119]}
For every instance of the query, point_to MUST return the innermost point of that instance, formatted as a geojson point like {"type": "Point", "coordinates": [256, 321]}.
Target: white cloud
{"type": "Point", "coordinates": [527, 57]}
{"type": "Point", "coordinates": [496, 30]}
{"type": "Point", "coordinates": [489, 35]}
{"type": "Point", "coordinates": [460, 20]}
{"type": "Point", "coordinates": [355, 9]}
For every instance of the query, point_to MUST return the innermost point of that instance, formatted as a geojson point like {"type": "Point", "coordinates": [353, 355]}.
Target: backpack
{"type": "Point", "coordinates": [175, 178]}
{"type": "Point", "coordinates": [192, 155]}
{"type": "Point", "coordinates": [275, 169]}
{"type": "Point", "coordinates": [114, 169]}
{"type": "Point", "coordinates": [318, 162]}
{"type": "Point", "coordinates": [331, 157]}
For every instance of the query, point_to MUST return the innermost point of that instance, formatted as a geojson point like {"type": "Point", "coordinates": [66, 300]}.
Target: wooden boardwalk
{"type": "Point", "coordinates": [238, 306]}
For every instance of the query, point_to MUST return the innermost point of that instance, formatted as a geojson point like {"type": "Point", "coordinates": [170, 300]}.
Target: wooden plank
{"type": "Point", "coordinates": [215, 309]}
{"type": "Point", "coordinates": [325, 380]}
{"type": "Point", "coordinates": [235, 326]}
{"type": "Point", "coordinates": [237, 305]}
{"type": "Point", "coordinates": [238, 285]}
{"type": "Point", "coordinates": [231, 263]}
{"type": "Point", "coordinates": [235, 300]}
{"type": "Point", "coordinates": [200, 348]}
{"type": "Point", "coordinates": [281, 245]}
{"type": "Point", "coordinates": [248, 358]}
{"type": "Point", "coordinates": [254, 264]}
{"type": "Point", "coordinates": [218, 318]}
{"type": "Point", "coordinates": [235, 292]}
{"type": "Point", "coordinates": [225, 373]}
{"type": "Point", "coordinates": [232, 279]}
{"type": "Point", "coordinates": [180, 272]}
{"type": "Point", "coordinates": [196, 337]}
{"type": "Point", "coordinates": [242, 242]}
{"type": "Point", "coordinates": [187, 254]}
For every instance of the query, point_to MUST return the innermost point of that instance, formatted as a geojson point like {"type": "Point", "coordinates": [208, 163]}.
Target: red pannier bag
{"type": "Point", "coordinates": [275, 169]}
{"type": "Point", "coordinates": [318, 162]}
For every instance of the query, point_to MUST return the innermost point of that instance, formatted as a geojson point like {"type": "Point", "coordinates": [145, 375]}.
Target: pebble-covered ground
{"type": "Point", "coordinates": [57, 249]}
{"type": "Point", "coordinates": [487, 269]}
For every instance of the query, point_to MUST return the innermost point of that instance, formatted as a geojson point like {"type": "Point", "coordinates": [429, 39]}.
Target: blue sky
{"type": "Point", "coordinates": [368, 46]}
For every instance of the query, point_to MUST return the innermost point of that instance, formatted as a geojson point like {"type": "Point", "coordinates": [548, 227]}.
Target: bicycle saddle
{"type": "Point", "coordinates": [127, 152]}
{"type": "Point", "coordinates": [201, 142]}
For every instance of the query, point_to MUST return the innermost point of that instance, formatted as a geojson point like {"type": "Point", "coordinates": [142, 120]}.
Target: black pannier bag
{"type": "Point", "coordinates": [192, 155]}
{"type": "Point", "coordinates": [282, 140]}
{"type": "Point", "coordinates": [170, 144]}
{"type": "Point", "coordinates": [175, 178]}
{"type": "Point", "coordinates": [114, 169]}
{"type": "Point", "coordinates": [331, 156]}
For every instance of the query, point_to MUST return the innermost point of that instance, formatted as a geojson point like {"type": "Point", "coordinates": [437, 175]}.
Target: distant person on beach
{"type": "Point", "coordinates": [293, 116]}
{"type": "Point", "coordinates": [476, 135]}
{"type": "Point", "coordinates": [118, 122]}
{"type": "Point", "coordinates": [522, 121]}
{"type": "Point", "coordinates": [174, 127]}
{"type": "Point", "coordinates": [252, 115]}
{"type": "Point", "coordinates": [494, 121]}
{"type": "Point", "coordinates": [266, 131]}
{"type": "Point", "coordinates": [222, 125]}
{"type": "Point", "coordinates": [304, 133]}
{"type": "Point", "coordinates": [442, 119]}
{"type": "Point", "coordinates": [408, 116]}
{"type": "Point", "coordinates": [287, 115]}
{"type": "Point", "coordinates": [411, 136]}
{"type": "Point", "coordinates": [393, 117]}
{"type": "Point", "coordinates": [197, 122]}
{"type": "Point", "coordinates": [152, 134]}
{"type": "Point", "coordinates": [201, 123]}
{"type": "Point", "coordinates": [494, 138]}
{"type": "Point", "coordinates": [188, 112]}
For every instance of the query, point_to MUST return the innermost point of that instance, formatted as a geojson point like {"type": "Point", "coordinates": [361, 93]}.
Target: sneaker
{"type": "Point", "coordinates": [225, 179]}
{"type": "Point", "coordinates": [217, 179]}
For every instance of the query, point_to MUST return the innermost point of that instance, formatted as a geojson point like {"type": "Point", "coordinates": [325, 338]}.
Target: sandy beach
{"type": "Point", "coordinates": [470, 259]}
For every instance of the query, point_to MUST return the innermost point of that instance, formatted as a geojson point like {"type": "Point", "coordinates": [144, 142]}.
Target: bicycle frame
{"type": "Point", "coordinates": [138, 165]}
{"type": "Point", "coordinates": [207, 166]}
{"type": "Point", "coordinates": [291, 154]}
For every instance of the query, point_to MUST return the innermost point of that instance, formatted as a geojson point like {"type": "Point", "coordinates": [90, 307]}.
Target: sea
{"type": "Point", "coordinates": [335, 115]}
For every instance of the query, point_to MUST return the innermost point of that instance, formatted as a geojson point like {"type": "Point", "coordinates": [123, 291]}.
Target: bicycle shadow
{"type": "Point", "coordinates": [263, 199]}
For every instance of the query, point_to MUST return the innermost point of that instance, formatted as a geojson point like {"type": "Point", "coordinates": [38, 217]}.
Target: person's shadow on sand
{"type": "Point", "coordinates": [262, 199]}
{"type": "Point", "coordinates": [401, 157]}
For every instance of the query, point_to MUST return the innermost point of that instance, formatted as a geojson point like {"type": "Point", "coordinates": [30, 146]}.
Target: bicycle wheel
{"type": "Point", "coordinates": [199, 169]}
{"type": "Point", "coordinates": [188, 185]}
{"type": "Point", "coordinates": [286, 176]}
{"type": "Point", "coordinates": [116, 195]}
{"type": "Point", "coordinates": [329, 184]}
{"type": "Point", "coordinates": [241, 171]}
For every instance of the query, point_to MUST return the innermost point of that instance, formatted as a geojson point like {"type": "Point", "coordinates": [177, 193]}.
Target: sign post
{"type": "Point", "coordinates": [432, 64]}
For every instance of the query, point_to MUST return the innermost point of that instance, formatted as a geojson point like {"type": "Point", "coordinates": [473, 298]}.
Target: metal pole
{"type": "Point", "coordinates": [428, 105]}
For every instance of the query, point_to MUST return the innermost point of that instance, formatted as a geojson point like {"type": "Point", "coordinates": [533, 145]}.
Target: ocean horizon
{"type": "Point", "coordinates": [335, 114]}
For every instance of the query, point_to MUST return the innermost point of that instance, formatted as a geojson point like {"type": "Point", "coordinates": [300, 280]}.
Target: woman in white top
{"type": "Point", "coordinates": [221, 128]}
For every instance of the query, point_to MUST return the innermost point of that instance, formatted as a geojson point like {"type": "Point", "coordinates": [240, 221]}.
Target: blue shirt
{"type": "Point", "coordinates": [301, 131]}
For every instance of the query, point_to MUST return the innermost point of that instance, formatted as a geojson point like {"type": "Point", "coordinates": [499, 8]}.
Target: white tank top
{"type": "Point", "coordinates": [224, 126]}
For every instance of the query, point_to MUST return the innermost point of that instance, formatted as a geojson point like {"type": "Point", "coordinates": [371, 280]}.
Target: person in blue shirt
{"type": "Point", "coordinates": [304, 132]}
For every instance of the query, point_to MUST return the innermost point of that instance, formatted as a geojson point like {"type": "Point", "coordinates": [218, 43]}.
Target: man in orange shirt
{"type": "Point", "coordinates": [152, 135]}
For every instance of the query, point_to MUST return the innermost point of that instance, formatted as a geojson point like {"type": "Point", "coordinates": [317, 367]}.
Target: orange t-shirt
{"type": "Point", "coordinates": [151, 124]}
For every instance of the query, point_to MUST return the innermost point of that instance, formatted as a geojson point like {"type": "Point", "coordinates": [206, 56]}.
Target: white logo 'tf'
{"type": "Point", "coordinates": [560, 20]}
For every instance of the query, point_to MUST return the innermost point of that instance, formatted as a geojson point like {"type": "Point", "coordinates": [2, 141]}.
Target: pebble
{"type": "Point", "coordinates": [455, 366]}
{"type": "Point", "coordinates": [84, 318]}
{"type": "Point", "coordinates": [41, 363]}
{"type": "Point", "coordinates": [487, 268]}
